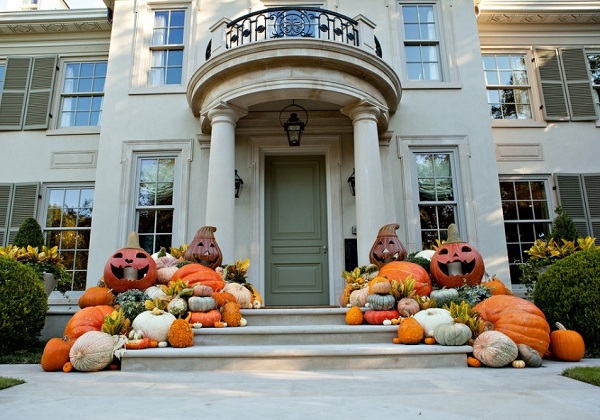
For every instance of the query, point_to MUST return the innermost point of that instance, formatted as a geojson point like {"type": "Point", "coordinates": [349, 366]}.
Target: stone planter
{"type": "Point", "coordinates": [50, 282]}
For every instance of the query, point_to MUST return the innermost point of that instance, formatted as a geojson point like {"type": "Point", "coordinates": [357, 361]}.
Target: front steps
{"type": "Point", "coordinates": [294, 339]}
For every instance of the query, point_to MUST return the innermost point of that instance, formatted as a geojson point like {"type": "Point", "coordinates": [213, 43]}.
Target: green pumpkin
{"type": "Point", "coordinates": [456, 334]}
{"type": "Point", "coordinates": [381, 302]}
{"type": "Point", "coordinates": [201, 303]}
{"type": "Point", "coordinates": [530, 356]}
{"type": "Point", "coordinates": [443, 296]}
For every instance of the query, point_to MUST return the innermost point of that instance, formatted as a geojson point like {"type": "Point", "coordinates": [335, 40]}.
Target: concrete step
{"type": "Point", "coordinates": [295, 316]}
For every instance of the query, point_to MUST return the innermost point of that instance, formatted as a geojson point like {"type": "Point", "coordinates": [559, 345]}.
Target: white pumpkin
{"type": "Point", "coordinates": [155, 292]}
{"type": "Point", "coordinates": [426, 253]}
{"type": "Point", "coordinates": [242, 295]}
{"type": "Point", "coordinates": [93, 351]}
{"type": "Point", "coordinates": [166, 266]}
{"type": "Point", "coordinates": [359, 297]}
{"type": "Point", "coordinates": [431, 318]}
{"type": "Point", "coordinates": [155, 324]}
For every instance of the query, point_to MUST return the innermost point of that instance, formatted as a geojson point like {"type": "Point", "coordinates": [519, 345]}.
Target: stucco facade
{"type": "Point", "coordinates": [368, 114]}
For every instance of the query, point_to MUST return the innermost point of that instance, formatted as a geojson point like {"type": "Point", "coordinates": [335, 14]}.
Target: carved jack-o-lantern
{"type": "Point", "coordinates": [387, 246]}
{"type": "Point", "coordinates": [204, 249]}
{"type": "Point", "coordinates": [130, 267]}
{"type": "Point", "coordinates": [456, 263]}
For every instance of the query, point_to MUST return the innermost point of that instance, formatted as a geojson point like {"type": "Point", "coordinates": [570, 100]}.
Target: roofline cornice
{"type": "Point", "coordinates": [53, 21]}
{"type": "Point", "coordinates": [522, 11]}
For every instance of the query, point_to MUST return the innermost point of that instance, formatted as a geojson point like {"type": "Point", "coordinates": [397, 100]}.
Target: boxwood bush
{"type": "Point", "coordinates": [569, 292]}
{"type": "Point", "coordinates": [23, 305]}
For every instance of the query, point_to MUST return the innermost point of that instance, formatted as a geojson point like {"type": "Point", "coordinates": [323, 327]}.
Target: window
{"type": "Point", "coordinates": [68, 223]}
{"type": "Point", "coordinates": [526, 218]}
{"type": "Point", "coordinates": [421, 42]}
{"type": "Point", "coordinates": [594, 63]}
{"type": "Point", "coordinates": [167, 47]}
{"type": "Point", "coordinates": [155, 202]}
{"type": "Point", "coordinates": [437, 199]}
{"type": "Point", "coordinates": [507, 85]}
{"type": "Point", "coordinates": [82, 94]}
{"type": "Point", "coordinates": [27, 92]}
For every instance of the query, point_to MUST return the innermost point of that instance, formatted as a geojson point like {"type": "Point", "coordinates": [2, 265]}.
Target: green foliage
{"type": "Point", "coordinates": [568, 292]}
{"type": "Point", "coordinates": [423, 262]}
{"type": "Point", "coordinates": [23, 305]}
{"type": "Point", "coordinates": [471, 294]}
{"type": "Point", "coordinates": [8, 382]}
{"type": "Point", "coordinates": [587, 374]}
{"type": "Point", "coordinates": [563, 227]}
{"type": "Point", "coordinates": [30, 233]}
{"type": "Point", "coordinates": [132, 302]}
{"type": "Point", "coordinates": [31, 355]}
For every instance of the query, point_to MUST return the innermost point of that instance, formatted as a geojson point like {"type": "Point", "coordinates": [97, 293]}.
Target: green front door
{"type": "Point", "coordinates": [296, 272]}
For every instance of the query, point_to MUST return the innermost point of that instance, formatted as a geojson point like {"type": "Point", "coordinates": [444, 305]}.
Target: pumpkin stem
{"type": "Point", "coordinates": [453, 235]}
{"type": "Point", "coordinates": [133, 241]}
{"type": "Point", "coordinates": [560, 326]}
{"type": "Point", "coordinates": [388, 230]}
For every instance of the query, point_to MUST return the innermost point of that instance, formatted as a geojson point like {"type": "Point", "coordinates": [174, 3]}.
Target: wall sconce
{"type": "Point", "coordinates": [294, 126]}
{"type": "Point", "coordinates": [238, 184]}
{"type": "Point", "coordinates": [352, 183]}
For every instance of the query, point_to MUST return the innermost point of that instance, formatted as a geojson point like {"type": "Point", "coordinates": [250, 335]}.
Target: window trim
{"type": "Point", "coordinates": [448, 66]}
{"type": "Point", "coordinates": [595, 87]}
{"type": "Point", "coordinates": [140, 68]}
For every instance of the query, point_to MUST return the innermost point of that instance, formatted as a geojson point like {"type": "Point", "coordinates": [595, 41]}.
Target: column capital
{"type": "Point", "coordinates": [221, 112]}
{"type": "Point", "coordinates": [363, 109]}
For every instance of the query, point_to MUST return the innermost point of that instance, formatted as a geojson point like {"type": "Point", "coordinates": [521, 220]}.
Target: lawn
{"type": "Point", "coordinates": [8, 382]}
{"type": "Point", "coordinates": [590, 375]}
{"type": "Point", "coordinates": [28, 356]}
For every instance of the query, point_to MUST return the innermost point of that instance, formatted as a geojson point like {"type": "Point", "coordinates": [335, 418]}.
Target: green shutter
{"type": "Point", "coordinates": [572, 199]}
{"type": "Point", "coordinates": [579, 88]}
{"type": "Point", "coordinates": [24, 205]}
{"type": "Point", "coordinates": [554, 99]}
{"type": "Point", "coordinates": [5, 196]}
{"type": "Point", "coordinates": [40, 93]}
{"type": "Point", "coordinates": [14, 94]}
{"type": "Point", "coordinates": [591, 185]}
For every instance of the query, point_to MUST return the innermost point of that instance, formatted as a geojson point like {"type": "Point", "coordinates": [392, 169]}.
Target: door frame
{"type": "Point", "coordinates": [328, 146]}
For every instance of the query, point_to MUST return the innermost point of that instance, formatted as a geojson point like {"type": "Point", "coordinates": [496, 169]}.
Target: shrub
{"type": "Point", "coordinates": [563, 227]}
{"type": "Point", "coordinates": [23, 305]}
{"type": "Point", "coordinates": [30, 233]}
{"type": "Point", "coordinates": [569, 293]}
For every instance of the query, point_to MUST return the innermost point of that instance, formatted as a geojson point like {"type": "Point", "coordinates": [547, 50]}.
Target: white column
{"type": "Point", "coordinates": [220, 195]}
{"type": "Point", "coordinates": [370, 202]}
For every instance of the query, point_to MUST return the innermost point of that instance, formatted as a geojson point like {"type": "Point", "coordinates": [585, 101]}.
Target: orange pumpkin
{"type": "Point", "coordinates": [221, 298]}
{"type": "Point", "coordinates": [567, 345]}
{"type": "Point", "coordinates": [400, 270]}
{"type": "Point", "coordinates": [195, 273]}
{"type": "Point", "coordinates": [56, 354]}
{"type": "Point", "coordinates": [518, 318]}
{"type": "Point", "coordinates": [496, 287]}
{"type": "Point", "coordinates": [207, 319]}
{"type": "Point", "coordinates": [374, 317]}
{"type": "Point", "coordinates": [130, 267]}
{"type": "Point", "coordinates": [94, 296]}
{"type": "Point", "coordinates": [86, 319]}
{"type": "Point", "coordinates": [456, 263]}
{"type": "Point", "coordinates": [204, 248]}
{"type": "Point", "coordinates": [387, 246]}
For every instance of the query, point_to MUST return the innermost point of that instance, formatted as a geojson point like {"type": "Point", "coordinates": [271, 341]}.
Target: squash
{"type": "Point", "coordinates": [86, 319]}
{"type": "Point", "coordinates": [473, 362]}
{"type": "Point", "coordinates": [94, 351]}
{"type": "Point", "coordinates": [194, 273]}
{"type": "Point", "coordinates": [407, 307]}
{"type": "Point", "coordinates": [56, 354]}
{"type": "Point", "coordinates": [207, 319]}
{"type": "Point", "coordinates": [401, 270]}
{"type": "Point", "coordinates": [354, 316]}
{"type": "Point", "coordinates": [166, 266]}
{"type": "Point", "coordinates": [496, 287]}
{"type": "Point", "coordinates": [201, 304]}
{"type": "Point", "coordinates": [518, 318]}
{"type": "Point", "coordinates": [177, 306]}
{"type": "Point", "coordinates": [243, 296]}
{"type": "Point", "coordinates": [202, 290]}
{"type": "Point", "coordinates": [96, 295]}
{"type": "Point", "coordinates": [221, 298]}
{"type": "Point", "coordinates": [377, 317]}
{"type": "Point", "coordinates": [431, 318]}
{"type": "Point", "coordinates": [359, 297]}
{"type": "Point", "coordinates": [429, 340]}
{"type": "Point", "coordinates": [567, 345]}
{"type": "Point", "coordinates": [410, 331]}
{"type": "Point", "coordinates": [456, 334]}
{"type": "Point", "coordinates": [180, 334]}
{"type": "Point", "coordinates": [495, 349]}
{"type": "Point", "coordinates": [230, 313]}
{"type": "Point", "coordinates": [155, 292]}
{"type": "Point", "coordinates": [531, 357]}
{"type": "Point", "coordinates": [381, 302]}
{"type": "Point", "coordinates": [443, 296]}
{"type": "Point", "coordinates": [519, 364]}
{"type": "Point", "coordinates": [155, 324]}
{"type": "Point", "coordinates": [380, 285]}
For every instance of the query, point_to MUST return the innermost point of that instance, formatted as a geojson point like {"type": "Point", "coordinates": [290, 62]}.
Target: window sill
{"type": "Point", "coordinates": [518, 124]}
{"type": "Point", "coordinates": [73, 131]}
{"type": "Point", "coordinates": [414, 84]}
{"type": "Point", "coordinates": [158, 90]}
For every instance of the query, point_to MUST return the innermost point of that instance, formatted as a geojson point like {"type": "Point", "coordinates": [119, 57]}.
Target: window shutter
{"type": "Point", "coordinates": [591, 183]}
{"type": "Point", "coordinates": [551, 84]}
{"type": "Point", "coordinates": [572, 200]}
{"type": "Point", "coordinates": [5, 193]}
{"type": "Point", "coordinates": [14, 94]}
{"type": "Point", "coordinates": [579, 89]}
{"type": "Point", "coordinates": [24, 205]}
{"type": "Point", "coordinates": [40, 93]}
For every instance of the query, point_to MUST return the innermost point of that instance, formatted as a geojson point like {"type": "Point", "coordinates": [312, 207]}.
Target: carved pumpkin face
{"type": "Point", "coordinates": [387, 247]}
{"type": "Point", "coordinates": [204, 248]}
{"type": "Point", "coordinates": [130, 268]}
{"type": "Point", "coordinates": [456, 263]}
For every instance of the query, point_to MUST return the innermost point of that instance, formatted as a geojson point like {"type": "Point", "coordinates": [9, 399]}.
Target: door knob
{"type": "Point", "coordinates": [324, 250]}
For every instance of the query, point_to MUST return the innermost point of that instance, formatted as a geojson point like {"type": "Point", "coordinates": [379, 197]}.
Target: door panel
{"type": "Point", "coordinates": [296, 231]}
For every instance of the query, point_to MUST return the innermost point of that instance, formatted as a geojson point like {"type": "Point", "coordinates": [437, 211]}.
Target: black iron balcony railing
{"type": "Point", "coordinates": [292, 22]}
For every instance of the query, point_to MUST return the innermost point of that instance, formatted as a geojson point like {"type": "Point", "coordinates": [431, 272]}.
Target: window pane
{"type": "Point", "coordinates": [428, 217]}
